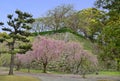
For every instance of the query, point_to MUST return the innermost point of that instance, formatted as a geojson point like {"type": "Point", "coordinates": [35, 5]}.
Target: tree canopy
{"type": "Point", "coordinates": [109, 37]}
{"type": "Point", "coordinates": [90, 22]}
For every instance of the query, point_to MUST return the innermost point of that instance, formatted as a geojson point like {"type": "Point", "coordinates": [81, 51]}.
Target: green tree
{"type": "Point", "coordinates": [109, 37]}
{"type": "Point", "coordinates": [113, 5]}
{"type": "Point", "coordinates": [113, 9]}
{"type": "Point", "coordinates": [90, 22]}
{"type": "Point", "coordinates": [109, 43]}
{"type": "Point", "coordinates": [2, 45]}
{"type": "Point", "coordinates": [18, 33]}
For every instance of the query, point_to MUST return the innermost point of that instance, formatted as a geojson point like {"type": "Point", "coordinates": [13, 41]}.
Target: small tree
{"type": "Point", "coordinates": [18, 31]}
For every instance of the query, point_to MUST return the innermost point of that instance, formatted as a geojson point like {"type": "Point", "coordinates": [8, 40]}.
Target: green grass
{"type": "Point", "coordinates": [105, 80]}
{"type": "Point", "coordinates": [109, 73]}
{"type": "Point", "coordinates": [54, 72]}
{"type": "Point", "coordinates": [40, 71]}
{"type": "Point", "coordinates": [103, 73]}
{"type": "Point", "coordinates": [32, 70]}
{"type": "Point", "coordinates": [17, 78]}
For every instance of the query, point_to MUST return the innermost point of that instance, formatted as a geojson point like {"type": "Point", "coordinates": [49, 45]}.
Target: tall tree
{"type": "Point", "coordinates": [109, 38]}
{"type": "Point", "coordinates": [112, 7]}
{"type": "Point", "coordinates": [90, 22]}
{"type": "Point", "coordinates": [18, 31]}
{"type": "Point", "coordinates": [108, 4]}
{"type": "Point", "coordinates": [72, 21]}
{"type": "Point", "coordinates": [40, 25]}
{"type": "Point", "coordinates": [109, 43]}
{"type": "Point", "coordinates": [55, 18]}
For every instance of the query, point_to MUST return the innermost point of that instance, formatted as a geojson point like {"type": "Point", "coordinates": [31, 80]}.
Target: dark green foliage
{"type": "Point", "coordinates": [1, 23]}
{"type": "Point", "coordinates": [6, 29]}
{"type": "Point", "coordinates": [2, 39]}
{"type": "Point", "coordinates": [62, 30]}
{"type": "Point", "coordinates": [18, 32]}
{"type": "Point", "coordinates": [109, 4]}
{"type": "Point", "coordinates": [26, 47]}
{"type": "Point", "coordinates": [10, 16]}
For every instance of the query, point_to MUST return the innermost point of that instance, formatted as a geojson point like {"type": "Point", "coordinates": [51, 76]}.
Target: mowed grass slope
{"type": "Point", "coordinates": [17, 78]}
{"type": "Point", "coordinates": [71, 35]}
{"type": "Point", "coordinates": [87, 45]}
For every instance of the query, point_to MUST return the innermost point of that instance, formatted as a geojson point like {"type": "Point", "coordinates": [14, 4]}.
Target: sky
{"type": "Point", "coordinates": [38, 7]}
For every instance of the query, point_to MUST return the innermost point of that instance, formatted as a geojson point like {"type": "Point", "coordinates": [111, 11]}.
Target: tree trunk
{"type": "Point", "coordinates": [77, 68]}
{"type": "Point", "coordinates": [44, 68]}
{"type": "Point", "coordinates": [18, 66]}
{"type": "Point", "coordinates": [83, 76]}
{"type": "Point", "coordinates": [28, 68]}
{"type": "Point", "coordinates": [118, 65]}
{"type": "Point", "coordinates": [11, 64]}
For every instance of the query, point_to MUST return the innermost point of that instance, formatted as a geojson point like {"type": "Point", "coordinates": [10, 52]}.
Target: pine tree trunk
{"type": "Point", "coordinates": [11, 65]}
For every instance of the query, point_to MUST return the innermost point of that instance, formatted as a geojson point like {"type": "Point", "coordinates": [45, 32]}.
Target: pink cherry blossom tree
{"type": "Point", "coordinates": [76, 58]}
{"type": "Point", "coordinates": [46, 50]}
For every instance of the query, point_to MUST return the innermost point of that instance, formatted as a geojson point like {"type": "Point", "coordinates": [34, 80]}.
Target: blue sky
{"type": "Point", "coordinates": [38, 7]}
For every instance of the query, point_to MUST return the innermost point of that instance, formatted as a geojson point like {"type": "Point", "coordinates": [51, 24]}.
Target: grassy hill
{"type": "Point", "coordinates": [69, 35]}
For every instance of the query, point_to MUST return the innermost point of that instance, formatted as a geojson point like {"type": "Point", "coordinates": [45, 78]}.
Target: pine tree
{"type": "Point", "coordinates": [18, 31]}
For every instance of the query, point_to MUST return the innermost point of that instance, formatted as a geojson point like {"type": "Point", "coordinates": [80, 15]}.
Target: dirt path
{"type": "Point", "coordinates": [65, 77]}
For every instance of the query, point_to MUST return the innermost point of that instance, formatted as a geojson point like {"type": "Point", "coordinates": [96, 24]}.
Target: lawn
{"type": "Point", "coordinates": [17, 78]}
{"type": "Point", "coordinates": [40, 71]}
{"type": "Point", "coordinates": [31, 71]}
{"type": "Point", "coordinates": [109, 73]}
{"type": "Point", "coordinates": [54, 72]}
